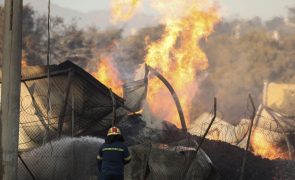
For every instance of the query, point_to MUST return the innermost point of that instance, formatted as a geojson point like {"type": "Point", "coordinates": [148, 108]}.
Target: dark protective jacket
{"type": "Point", "coordinates": [112, 158]}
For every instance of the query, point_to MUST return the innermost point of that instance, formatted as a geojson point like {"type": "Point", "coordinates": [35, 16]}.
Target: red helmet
{"type": "Point", "coordinates": [114, 131]}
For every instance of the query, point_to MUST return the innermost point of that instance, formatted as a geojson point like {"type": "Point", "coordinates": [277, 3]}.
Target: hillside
{"type": "Point", "coordinates": [99, 19]}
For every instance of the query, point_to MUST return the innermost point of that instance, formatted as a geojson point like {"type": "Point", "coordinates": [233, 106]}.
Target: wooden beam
{"type": "Point", "coordinates": [38, 110]}
{"type": "Point", "coordinates": [44, 75]}
{"type": "Point", "coordinates": [65, 100]}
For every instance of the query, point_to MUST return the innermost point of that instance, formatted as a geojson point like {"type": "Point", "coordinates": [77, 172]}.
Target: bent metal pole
{"type": "Point", "coordinates": [10, 95]}
{"type": "Point", "coordinates": [174, 95]}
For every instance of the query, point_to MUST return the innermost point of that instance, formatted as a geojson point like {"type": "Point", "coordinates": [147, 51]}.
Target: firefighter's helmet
{"type": "Point", "coordinates": [114, 131]}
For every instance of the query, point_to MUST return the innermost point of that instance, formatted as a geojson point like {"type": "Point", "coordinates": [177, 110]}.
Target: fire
{"type": "Point", "coordinates": [123, 10]}
{"type": "Point", "coordinates": [262, 147]}
{"type": "Point", "coordinates": [109, 76]}
{"type": "Point", "coordinates": [24, 62]}
{"type": "Point", "coordinates": [177, 55]}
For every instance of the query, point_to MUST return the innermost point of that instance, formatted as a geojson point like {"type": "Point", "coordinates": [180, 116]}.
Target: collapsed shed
{"type": "Point", "coordinates": [77, 103]}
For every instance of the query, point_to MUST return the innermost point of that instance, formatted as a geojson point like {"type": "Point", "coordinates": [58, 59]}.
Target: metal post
{"type": "Point", "coordinates": [48, 112]}
{"type": "Point", "coordinates": [249, 137]}
{"type": "Point", "coordinates": [11, 74]}
{"type": "Point", "coordinates": [209, 127]}
{"type": "Point", "coordinates": [174, 95]}
{"type": "Point", "coordinates": [114, 108]}
{"type": "Point", "coordinates": [73, 113]}
{"type": "Point", "coordinates": [73, 134]}
{"type": "Point", "coordinates": [195, 154]}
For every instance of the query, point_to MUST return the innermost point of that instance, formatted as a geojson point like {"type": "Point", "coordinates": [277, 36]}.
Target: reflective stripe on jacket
{"type": "Point", "coordinates": [113, 157]}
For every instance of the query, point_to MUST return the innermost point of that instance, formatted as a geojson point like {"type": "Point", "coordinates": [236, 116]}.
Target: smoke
{"type": "Point", "coordinates": [124, 10]}
{"type": "Point", "coordinates": [239, 65]}
{"type": "Point", "coordinates": [240, 59]}
{"type": "Point", "coordinates": [130, 51]}
{"type": "Point", "coordinates": [68, 158]}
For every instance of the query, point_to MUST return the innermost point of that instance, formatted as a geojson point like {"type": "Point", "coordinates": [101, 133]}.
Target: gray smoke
{"type": "Point", "coordinates": [65, 159]}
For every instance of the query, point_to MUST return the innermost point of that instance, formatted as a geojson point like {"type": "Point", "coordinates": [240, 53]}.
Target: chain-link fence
{"type": "Point", "coordinates": [53, 125]}
{"type": "Point", "coordinates": [69, 104]}
{"type": "Point", "coordinates": [271, 135]}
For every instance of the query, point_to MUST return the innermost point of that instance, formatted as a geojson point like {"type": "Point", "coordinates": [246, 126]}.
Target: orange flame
{"type": "Point", "coordinates": [108, 75]}
{"type": "Point", "coordinates": [123, 10]}
{"type": "Point", "coordinates": [178, 56]}
{"type": "Point", "coordinates": [24, 62]}
{"type": "Point", "coordinates": [262, 147]}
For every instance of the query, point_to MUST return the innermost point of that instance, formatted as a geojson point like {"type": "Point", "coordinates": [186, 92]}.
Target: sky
{"type": "Point", "coordinates": [266, 9]}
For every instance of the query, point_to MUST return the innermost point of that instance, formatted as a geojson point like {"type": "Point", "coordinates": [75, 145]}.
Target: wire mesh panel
{"type": "Point", "coordinates": [167, 161]}
{"type": "Point", "coordinates": [76, 103]}
{"type": "Point", "coordinates": [79, 106]}
{"type": "Point", "coordinates": [75, 159]}
{"type": "Point", "coordinates": [64, 159]}
{"type": "Point", "coordinates": [271, 134]}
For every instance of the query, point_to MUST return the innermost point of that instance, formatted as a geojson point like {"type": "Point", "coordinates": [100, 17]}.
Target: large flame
{"type": "Point", "coordinates": [177, 55]}
{"type": "Point", "coordinates": [123, 10]}
{"type": "Point", "coordinates": [264, 148]}
{"type": "Point", "coordinates": [108, 75]}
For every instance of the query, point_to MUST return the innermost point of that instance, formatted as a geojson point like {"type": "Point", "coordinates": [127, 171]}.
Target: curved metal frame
{"type": "Point", "coordinates": [174, 95]}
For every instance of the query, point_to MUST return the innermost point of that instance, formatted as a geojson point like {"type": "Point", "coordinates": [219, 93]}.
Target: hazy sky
{"type": "Point", "coordinates": [243, 8]}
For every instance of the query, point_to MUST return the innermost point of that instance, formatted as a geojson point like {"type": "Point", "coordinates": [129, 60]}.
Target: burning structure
{"type": "Point", "coordinates": [69, 102]}
{"type": "Point", "coordinates": [63, 100]}
{"type": "Point", "coordinates": [273, 125]}
{"type": "Point", "coordinates": [78, 106]}
{"type": "Point", "coordinates": [73, 93]}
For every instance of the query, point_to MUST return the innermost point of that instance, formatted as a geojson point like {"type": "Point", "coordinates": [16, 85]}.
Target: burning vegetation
{"type": "Point", "coordinates": [190, 33]}
{"type": "Point", "coordinates": [263, 147]}
{"type": "Point", "coordinates": [177, 54]}
{"type": "Point", "coordinates": [232, 60]}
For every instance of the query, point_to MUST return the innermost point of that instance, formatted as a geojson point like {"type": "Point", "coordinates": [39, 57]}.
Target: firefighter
{"type": "Point", "coordinates": [112, 156]}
